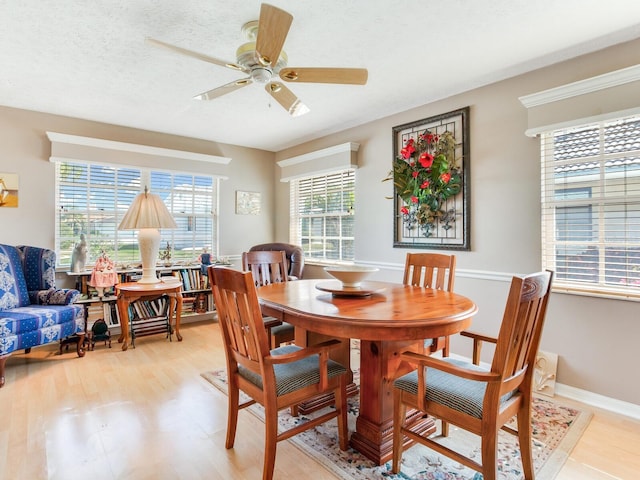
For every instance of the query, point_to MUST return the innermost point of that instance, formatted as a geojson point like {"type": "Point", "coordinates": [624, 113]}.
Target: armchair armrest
{"type": "Point", "coordinates": [54, 296]}
{"type": "Point", "coordinates": [447, 367]}
{"type": "Point", "coordinates": [319, 348]}
{"type": "Point", "coordinates": [478, 338]}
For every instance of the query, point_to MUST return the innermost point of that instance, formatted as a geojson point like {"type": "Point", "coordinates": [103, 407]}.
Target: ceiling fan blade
{"type": "Point", "coordinates": [351, 76]}
{"type": "Point", "coordinates": [286, 98]}
{"type": "Point", "coordinates": [199, 56]}
{"type": "Point", "coordinates": [224, 89]}
{"type": "Point", "coordinates": [273, 28]}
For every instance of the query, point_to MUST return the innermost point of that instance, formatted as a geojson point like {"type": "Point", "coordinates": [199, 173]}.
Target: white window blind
{"type": "Point", "coordinates": [322, 218]}
{"type": "Point", "coordinates": [92, 198]}
{"type": "Point", "coordinates": [591, 207]}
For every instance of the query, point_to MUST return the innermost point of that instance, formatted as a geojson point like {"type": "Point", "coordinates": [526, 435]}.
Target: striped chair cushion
{"type": "Point", "coordinates": [294, 376]}
{"type": "Point", "coordinates": [450, 390]}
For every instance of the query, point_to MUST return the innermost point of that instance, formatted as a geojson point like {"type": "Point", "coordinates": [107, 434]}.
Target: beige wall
{"type": "Point", "coordinates": [596, 339]}
{"type": "Point", "coordinates": [25, 150]}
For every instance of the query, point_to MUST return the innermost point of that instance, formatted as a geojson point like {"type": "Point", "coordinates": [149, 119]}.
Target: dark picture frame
{"type": "Point", "coordinates": [450, 230]}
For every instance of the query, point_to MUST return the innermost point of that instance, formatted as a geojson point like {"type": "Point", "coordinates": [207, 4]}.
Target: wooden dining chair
{"type": "Point", "coordinates": [431, 270]}
{"type": "Point", "coordinates": [278, 378]}
{"type": "Point", "coordinates": [270, 267]}
{"type": "Point", "coordinates": [473, 398]}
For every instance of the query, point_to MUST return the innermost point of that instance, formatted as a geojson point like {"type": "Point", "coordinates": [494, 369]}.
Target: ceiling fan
{"type": "Point", "coordinates": [264, 61]}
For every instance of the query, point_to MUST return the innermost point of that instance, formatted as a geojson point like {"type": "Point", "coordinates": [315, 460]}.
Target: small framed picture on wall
{"type": "Point", "coordinates": [247, 203]}
{"type": "Point", "coordinates": [8, 189]}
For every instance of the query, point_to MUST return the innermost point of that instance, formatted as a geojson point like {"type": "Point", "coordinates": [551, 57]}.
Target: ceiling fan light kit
{"type": "Point", "coordinates": [255, 58]}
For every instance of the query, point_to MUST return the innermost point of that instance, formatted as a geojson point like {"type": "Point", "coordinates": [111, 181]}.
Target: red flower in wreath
{"type": "Point", "coordinates": [426, 160]}
{"type": "Point", "coordinates": [408, 149]}
{"type": "Point", "coordinates": [429, 137]}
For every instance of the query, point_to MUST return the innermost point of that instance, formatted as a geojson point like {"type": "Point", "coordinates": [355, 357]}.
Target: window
{"type": "Point", "coordinates": [591, 207]}
{"type": "Point", "coordinates": [322, 217]}
{"type": "Point", "coordinates": [92, 199]}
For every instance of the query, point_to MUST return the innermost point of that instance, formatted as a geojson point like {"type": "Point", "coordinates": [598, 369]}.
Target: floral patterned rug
{"type": "Point", "coordinates": [556, 430]}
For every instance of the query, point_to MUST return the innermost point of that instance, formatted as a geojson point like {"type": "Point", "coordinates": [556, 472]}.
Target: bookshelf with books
{"type": "Point", "coordinates": [197, 296]}
{"type": "Point", "coordinates": [100, 308]}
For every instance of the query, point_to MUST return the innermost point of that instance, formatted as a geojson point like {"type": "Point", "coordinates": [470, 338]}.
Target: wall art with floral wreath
{"type": "Point", "coordinates": [430, 175]}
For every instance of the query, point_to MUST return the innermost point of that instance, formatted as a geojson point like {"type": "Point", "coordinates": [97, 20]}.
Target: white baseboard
{"type": "Point", "coordinates": [600, 401]}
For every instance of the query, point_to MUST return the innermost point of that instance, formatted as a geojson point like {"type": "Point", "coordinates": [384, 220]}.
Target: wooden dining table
{"type": "Point", "coordinates": [388, 318]}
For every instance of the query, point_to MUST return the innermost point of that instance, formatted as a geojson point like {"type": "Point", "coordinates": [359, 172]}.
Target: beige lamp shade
{"type": "Point", "coordinates": [147, 214]}
{"type": "Point", "coordinates": [147, 211]}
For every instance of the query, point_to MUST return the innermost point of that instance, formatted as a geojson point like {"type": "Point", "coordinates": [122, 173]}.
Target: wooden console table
{"type": "Point", "coordinates": [129, 292]}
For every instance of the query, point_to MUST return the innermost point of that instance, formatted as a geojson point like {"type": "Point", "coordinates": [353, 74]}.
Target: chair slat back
{"type": "Point", "coordinates": [430, 270]}
{"type": "Point", "coordinates": [267, 267]}
{"type": "Point", "coordinates": [239, 316]}
{"type": "Point", "coordinates": [521, 328]}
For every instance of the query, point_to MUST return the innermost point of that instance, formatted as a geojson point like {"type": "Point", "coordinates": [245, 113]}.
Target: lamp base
{"type": "Point", "coordinates": [151, 278]}
{"type": "Point", "coordinates": [149, 242]}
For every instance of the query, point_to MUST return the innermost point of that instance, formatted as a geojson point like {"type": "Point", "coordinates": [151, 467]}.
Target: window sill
{"type": "Point", "coordinates": [325, 263]}
{"type": "Point", "coordinates": [595, 293]}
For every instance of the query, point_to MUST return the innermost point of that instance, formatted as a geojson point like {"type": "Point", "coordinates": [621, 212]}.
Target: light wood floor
{"type": "Point", "coordinates": [147, 414]}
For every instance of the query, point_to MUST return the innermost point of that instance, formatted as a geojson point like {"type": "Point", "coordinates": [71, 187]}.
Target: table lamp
{"type": "Point", "coordinates": [147, 214]}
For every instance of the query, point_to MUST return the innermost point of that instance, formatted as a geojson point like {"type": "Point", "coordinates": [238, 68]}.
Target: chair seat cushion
{"type": "Point", "coordinates": [296, 375]}
{"type": "Point", "coordinates": [26, 327]}
{"type": "Point", "coordinates": [450, 390]}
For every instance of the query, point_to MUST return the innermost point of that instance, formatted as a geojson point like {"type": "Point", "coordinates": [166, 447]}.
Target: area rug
{"type": "Point", "coordinates": [556, 430]}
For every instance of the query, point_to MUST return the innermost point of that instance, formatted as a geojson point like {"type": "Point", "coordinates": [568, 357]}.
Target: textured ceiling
{"type": "Point", "coordinates": [88, 59]}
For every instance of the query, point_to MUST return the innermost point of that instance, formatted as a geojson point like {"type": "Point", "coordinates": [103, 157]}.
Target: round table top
{"type": "Point", "coordinates": [391, 312]}
{"type": "Point", "coordinates": [165, 284]}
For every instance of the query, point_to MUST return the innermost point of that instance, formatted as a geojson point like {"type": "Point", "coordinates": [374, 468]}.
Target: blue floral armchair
{"type": "Point", "coordinates": [32, 310]}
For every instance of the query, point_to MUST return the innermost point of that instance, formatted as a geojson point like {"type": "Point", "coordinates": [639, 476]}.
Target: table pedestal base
{"type": "Point", "coordinates": [376, 441]}
{"type": "Point", "coordinates": [322, 401]}
{"type": "Point", "coordinates": [380, 365]}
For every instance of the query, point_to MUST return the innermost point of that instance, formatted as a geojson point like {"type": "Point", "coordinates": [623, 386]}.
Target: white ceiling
{"type": "Point", "coordinates": [88, 59]}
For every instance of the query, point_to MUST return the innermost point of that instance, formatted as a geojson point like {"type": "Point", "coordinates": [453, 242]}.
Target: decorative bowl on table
{"type": "Point", "coordinates": [351, 276]}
